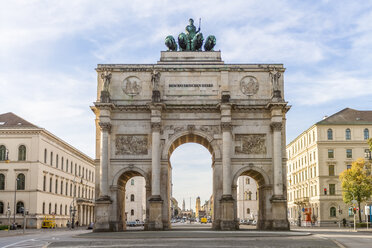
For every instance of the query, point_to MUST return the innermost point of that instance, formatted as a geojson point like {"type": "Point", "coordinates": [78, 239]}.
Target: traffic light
{"type": "Point", "coordinates": [325, 191]}
{"type": "Point", "coordinates": [354, 210]}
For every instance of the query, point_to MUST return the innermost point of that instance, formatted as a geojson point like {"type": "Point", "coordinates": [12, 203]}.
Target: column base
{"type": "Point", "coordinates": [155, 215]}
{"type": "Point", "coordinates": [227, 221]}
{"type": "Point", "coordinates": [279, 213]}
{"type": "Point", "coordinates": [102, 223]}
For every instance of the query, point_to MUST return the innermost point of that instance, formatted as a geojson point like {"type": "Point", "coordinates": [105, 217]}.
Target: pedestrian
{"type": "Point", "coordinates": [344, 222]}
{"type": "Point", "coordinates": [77, 224]}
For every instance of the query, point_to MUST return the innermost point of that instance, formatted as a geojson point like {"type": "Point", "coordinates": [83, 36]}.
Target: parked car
{"type": "Point", "coordinates": [254, 222]}
{"type": "Point", "coordinates": [90, 226]}
{"type": "Point", "coordinates": [131, 223]}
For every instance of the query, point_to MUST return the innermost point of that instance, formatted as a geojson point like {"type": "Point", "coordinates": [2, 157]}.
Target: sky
{"type": "Point", "coordinates": [49, 50]}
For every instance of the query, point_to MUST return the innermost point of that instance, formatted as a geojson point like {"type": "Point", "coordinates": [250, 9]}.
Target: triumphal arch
{"type": "Point", "coordinates": [145, 111]}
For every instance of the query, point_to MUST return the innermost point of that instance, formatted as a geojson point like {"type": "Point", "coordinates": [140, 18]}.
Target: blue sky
{"type": "Point", "coordinates": [49, 49]}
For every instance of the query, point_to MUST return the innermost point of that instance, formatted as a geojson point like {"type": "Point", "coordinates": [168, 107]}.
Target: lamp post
{"type": "Point", "coordinates": [14, 227]}
{"type": "Point", "coordinates": [9, 213]}
{"type": "Point", "coordinates": [72, 208]}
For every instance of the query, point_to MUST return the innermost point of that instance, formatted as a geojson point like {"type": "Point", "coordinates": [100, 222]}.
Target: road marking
{"type": "Point", "coordinates": [17, 243]}
{"type": "Point", "coordinates": [338, 243]}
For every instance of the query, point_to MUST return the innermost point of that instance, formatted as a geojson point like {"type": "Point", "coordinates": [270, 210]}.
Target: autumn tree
{"type": "Point", "coordinates": [356, 183]}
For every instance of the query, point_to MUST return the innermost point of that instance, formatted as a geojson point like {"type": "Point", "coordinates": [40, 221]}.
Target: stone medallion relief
{"type": "Point", "coordinates": [131, 144]}
{"type": "Point", "coordinates": [132, 86]}
{"type": "Point", "coordinates": [249, 85]}
{"type": "Point", "coordinates": [250, 143]}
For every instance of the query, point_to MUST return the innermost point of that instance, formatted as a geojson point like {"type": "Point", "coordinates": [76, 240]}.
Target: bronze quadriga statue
{"type": "Point", "coordinates": [191, 40]}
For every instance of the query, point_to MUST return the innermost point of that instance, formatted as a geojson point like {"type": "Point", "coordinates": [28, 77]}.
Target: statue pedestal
{"type": "Point", "coordinates": [105, 96]}
{"type": "Point", "coordinates": [227, 213]}
{"type": "Point", "coordinates": [102, 222]}
{"type": "Point", "coordinates": [155, 215]}
{"type": "Point", "coordinates": [186, 57]}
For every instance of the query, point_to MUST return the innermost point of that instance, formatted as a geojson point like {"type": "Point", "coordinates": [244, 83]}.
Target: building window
{"type": "Point", "coordinates": [21, 181]}
{"type": "Point", "coordinates": [55, 208]}
{"type": "Point", "coordinates": [248, 210]}
{"type": "Point", "coordinates": [71, 189]}
{"type": "Point", "coordinates": [65, 209]}
{"type": "Point", "coordinates": [2, 153]}
{"type": "Point", "coordinates": [44, 183]}
{"type": "Point", "coordinates": [79, 170]}
{"type": "Point", "coordinates": [71, 167]}
{"type": "Point", "coordinates": [61, 188]}
{"type": "Point", "coordinates": [45, 156]}
{"type": "Point", "coordinates": [331, 169]}
{"type": "Point", "coordinates": [75, 169]}
{"type": "Point", "coordinates": [56, 187]}
{"type": "Point", "coordinates": [21, 153]}
{"type": "Point", "coordinates": [43, 208]}
{"type": "Point", "coordinates": [247, 181]}
{"type": "Point", "coordinates": [1, 207]}
{"type": "Point", "coordinates": [132, 182]}
{"type": "Point", "coordinates": [57, 161]}
{"type": "Point", "coordinates": [132, 212]}
{"type": "Point", "coordinates": [2, 181]}
{"type": "Point", "coordinates": [330, 134]}
{"type": "Point", "coordinates": [50, 185]}
{"type": "Point", "coordinates": [132, 197]}
{"type": "Point", "coordinates": [67, 165]}
{"type": "Point", "coordinates": [20, 205]}
{"type": "Point", "coordinates": [332, 212]}
{"type": "Point", "coordinates": [249, 195]}
{"type": "Point", "coordinates": [348, 134]}
{"type": "Point", "coordinates": [332, 189]}
{"type": "Point", "coordinates": [50, 208]}
{"type": "Point", "coordinates": [348, 167]}
{"type": "Point", "coordinates": [51, 158]}
{"type": "Point", "coordinates": [366, 134]}
{"type": "Point", "coordinates": [331, 153]}
{"type": "Point", "coordinates": [66, 191]}
{"type": "Point", "coordinates": [349, 153]}
{"type": "Point", "coordinates": [62, 163]}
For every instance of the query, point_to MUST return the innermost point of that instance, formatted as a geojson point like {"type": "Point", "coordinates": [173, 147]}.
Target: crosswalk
{"type": "Point", "coordinates": [30, 243]}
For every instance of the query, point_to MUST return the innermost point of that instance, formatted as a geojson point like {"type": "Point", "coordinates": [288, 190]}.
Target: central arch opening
{"type": "Point", "coordinates": [191, 160]}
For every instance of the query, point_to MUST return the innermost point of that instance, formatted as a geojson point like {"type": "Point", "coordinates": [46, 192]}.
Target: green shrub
{"type": "Point", "coordinates": [3, 227]}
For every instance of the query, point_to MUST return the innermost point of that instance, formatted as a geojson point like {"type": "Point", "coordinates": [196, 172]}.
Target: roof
{"type": "Point", "coordinates": [10, 120]}
{"type": "Point", "coordinates": [348, 116]}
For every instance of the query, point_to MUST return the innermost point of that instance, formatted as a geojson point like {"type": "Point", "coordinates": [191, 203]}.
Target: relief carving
{"type": "Point", "coordinates": [249, 85]}
{"type": "Point", "coordinates": [132, 86]}
{"type": "Point", "coordinates": [250, 144]}
{"type": "Point", "coordinates": [131, 144]}
{"type": "Point", "coordinates": [211, 130]}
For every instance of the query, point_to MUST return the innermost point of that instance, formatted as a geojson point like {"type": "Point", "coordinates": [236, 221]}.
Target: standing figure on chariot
{"type": "Point", "coordinates": [192, 40]}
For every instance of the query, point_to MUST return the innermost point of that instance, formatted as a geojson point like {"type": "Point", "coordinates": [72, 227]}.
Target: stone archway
{"type": "Point", "coordinates": [143, 112]}
{"type": "Point", "coordinates": [264, 194]}
{"type": "Point", "coordinates": [193, 136]}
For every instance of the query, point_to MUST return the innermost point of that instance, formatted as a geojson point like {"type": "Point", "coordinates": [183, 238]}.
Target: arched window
{"type": "Point", "coordinates": [21, 181]}
{"type": "Point", "coordinates": [248, 210]}
{"type": "Point", "coordinates": [2, 181]}
{"type": "Point", "coordinates": [65, 209]}
{"type": "Point", "coordinates": [330, 134]}
{"type": "Point", "coordinates": [57, 161]}
{"type": "Point", "coordinates": [43, 207]}
{"type": "Point", "coordinates": [60, 209]}
{"type": "Point", "coordinates": [62, 163]}
{"type": "Point", "coordinates": [132, 197]}
{"type": "Point", "coordinates": [132, 212]}
{"type": "Point", "coordinates": [44, 183]}
{"type": "Point", "coordinates": [332, 212]}
{"type": "Point", "coordinates": [1, 207]}
{"type": "Point", "coordinates": [45, 155]}
{"type": "Point", "coordinates": [366, 134]}
{"type": "Point", "coordinates": [20, 205]}
{"type": "Point", "coordinates": [61, 192]}
{"type": "Point", "coordinates": [21, 153]}
{"type": "Point", "coordinates": [71, 189]}
{"type": "Point", "coordinates": [55, 208]}
{"type": "Point", "coordinates": [132, 182]}
{"type": "Point", "coordinates": [56, 187]}
{"type": "Point", "coordinates": [50, 208]}
{"type": "Point", "coordinates": [249, 195]}
{"type": "Point", "coordinates": [67, 165]}
{"type": "Point", "coordinates": [348, 134]}
{"type": "Point", "coordinates": [66, 191]}
{"type": "Point", "coordinates": [2, 153]}
{"type": "Point", "coordinates": [50, 185]}
{"type": "Point", "coordinates": [51, 158]}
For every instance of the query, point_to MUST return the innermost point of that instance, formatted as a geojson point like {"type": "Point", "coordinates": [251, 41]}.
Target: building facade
{"type": "Point", "coordinates": [247, 198]}
{"type": "Point", "coordinates": [315, 160]}
{"type": "Point", "coordinates": [43, 174]}
{"type": "Point", "coordinates": [135, 199]}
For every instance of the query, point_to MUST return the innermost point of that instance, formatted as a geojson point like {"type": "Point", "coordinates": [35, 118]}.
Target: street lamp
{"type": "Point", "coordinates": [14, 227]}
{"type": "Point", "coordinates": [7, 156]}
{"type": "Point", "coordinates": [8, 213]}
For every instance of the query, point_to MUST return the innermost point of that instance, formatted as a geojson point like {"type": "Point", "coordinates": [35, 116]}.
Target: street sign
{"type": "Point", "coordinates": [303, 209]}
{"type": "Point", "coordinates": [367, 210]}
{"type": "Point", "coordinates": [354, 201]}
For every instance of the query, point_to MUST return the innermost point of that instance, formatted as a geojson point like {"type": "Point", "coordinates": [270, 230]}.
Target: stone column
{"type": "Point", "coordinates": [104, 159]}
{"type": "Point", "coordinates": [155, 162]}
{"type": "Point", "coordinates": [155, 201]}
{"type": "Point", "coordinates": [226, 158]}
{"type": "Point", "coordinates": [277, 158]}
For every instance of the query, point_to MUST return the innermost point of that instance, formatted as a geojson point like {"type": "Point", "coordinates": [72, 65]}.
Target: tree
{"type": "Point", "coordinates": [356, 183]}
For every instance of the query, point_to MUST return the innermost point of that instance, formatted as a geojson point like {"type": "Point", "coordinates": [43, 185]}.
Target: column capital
{"type": "Point", "coordinates": [105, 126]}
{"type": "Point", "coordinates": [155, 127]}
{"type": "Point", "coordinates": [226, 126]}
{"type": "Point", "coordinates": [276, 126]}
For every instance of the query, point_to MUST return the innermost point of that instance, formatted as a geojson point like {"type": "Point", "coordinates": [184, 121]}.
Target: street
{"type": "Point", "coordinates": [189, 235]}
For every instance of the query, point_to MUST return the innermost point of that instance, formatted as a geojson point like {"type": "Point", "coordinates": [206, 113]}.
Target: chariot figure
{"type": "Point", "coordinates": [192, 40]}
